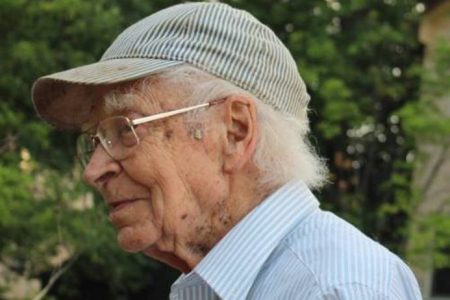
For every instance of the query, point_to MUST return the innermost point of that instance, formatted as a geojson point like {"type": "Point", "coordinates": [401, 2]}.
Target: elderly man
{"type": "Point", "coordinates": [193, 130]}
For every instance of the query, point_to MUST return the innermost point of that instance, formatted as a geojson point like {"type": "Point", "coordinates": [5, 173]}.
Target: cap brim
{"type": "Point", "coordinates": [63, 99]}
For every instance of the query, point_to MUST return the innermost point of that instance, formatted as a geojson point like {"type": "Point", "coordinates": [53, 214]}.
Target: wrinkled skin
{"type": "Point", "coordinates": [175, 197]}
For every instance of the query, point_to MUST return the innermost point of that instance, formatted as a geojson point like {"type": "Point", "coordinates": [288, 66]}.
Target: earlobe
{"type": "Point", "coordinates": [240, 119]}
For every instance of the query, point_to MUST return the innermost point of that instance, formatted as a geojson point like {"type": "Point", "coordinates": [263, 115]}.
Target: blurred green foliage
{"type": "Point", "coordinates": [360, 59]}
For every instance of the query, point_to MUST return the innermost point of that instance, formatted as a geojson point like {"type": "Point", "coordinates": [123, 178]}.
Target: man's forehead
{"type": "Point", "coordinates": [140, 97]}
{"type": "Point", "coordinates": [145, 96]}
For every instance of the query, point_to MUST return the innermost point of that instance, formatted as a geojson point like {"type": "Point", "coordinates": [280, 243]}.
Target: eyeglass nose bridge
{"type": "Point", "coordinates": [95, 141]}
{"type": "Point", "coordinates": [104, 142]}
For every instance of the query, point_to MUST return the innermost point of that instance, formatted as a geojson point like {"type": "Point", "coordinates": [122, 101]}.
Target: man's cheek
{"type": "Point", "coordinates": [140, 167]}
{"type": "Point", "coordinates": [158, 206]}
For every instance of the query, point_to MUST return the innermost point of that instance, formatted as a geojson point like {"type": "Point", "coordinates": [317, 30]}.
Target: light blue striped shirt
{"type": "Point", "coordinates": [288, 248]}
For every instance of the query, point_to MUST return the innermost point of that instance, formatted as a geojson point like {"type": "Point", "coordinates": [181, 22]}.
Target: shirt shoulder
{"type": "Point", "coordinates": [324, 257]}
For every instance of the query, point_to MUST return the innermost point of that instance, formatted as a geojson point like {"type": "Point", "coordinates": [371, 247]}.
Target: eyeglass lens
{"type": "Point", "coordinates": [116, 135]}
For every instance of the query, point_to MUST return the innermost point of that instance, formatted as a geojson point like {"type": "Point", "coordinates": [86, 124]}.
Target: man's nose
{"type": "Point", "coordinates": [100, 168]}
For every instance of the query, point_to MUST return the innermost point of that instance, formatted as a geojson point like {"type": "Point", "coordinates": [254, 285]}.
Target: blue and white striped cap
{"type": "Point", "coordinates": [221, 40]}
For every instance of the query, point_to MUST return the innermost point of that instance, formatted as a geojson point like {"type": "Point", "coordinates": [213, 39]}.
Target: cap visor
{"type": "Point", "coordinates": [61, 98]}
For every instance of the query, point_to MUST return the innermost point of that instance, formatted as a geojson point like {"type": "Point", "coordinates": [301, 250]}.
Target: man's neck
{"type": "Point", "coordinates": [245, 194]}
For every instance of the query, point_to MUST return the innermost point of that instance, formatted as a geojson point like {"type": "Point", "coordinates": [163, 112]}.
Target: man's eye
{"type": "Point", "coordinates": [127, 136]}
{"type": "Point", "coordinates": [125, 130]}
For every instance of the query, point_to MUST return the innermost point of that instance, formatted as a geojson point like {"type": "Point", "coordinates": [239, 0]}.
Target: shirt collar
{"type": "Point", "coordinates": [231, 267]}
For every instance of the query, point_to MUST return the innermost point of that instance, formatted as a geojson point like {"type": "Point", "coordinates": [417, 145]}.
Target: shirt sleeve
{"type": "Point", "coordinates": [399, 284]}
{"type": "Point", "coordinates": [403, 286]}
{"type": "Point", "coordinates": [350, 291]}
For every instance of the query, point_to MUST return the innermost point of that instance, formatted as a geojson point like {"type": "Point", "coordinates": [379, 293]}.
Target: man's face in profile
{"type": "Point", "coordinates": [169, 191]}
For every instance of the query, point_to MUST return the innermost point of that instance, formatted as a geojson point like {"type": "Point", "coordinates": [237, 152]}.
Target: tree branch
{"type": "Point", "coordinates": [57, 273]}
{"type": "Point", "coordinates": [435, 169]}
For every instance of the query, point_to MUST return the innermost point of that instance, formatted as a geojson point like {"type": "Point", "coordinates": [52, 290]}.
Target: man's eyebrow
{"type": "Point", "coordinates": [118, 101]}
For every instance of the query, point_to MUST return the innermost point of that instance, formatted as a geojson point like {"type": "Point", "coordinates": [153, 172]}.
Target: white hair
{"type": "Point", "coordinates": [282, 152]}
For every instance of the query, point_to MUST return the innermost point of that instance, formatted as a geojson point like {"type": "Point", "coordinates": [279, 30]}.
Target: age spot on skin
{"type": "Point", "coordinates": [200, 229]}
{"type": "Point", "coordinates": [223, 215]}
{"type": "Point", "coordinates": [168, 134]}
{"type": "Point", "coordinates": [225, 219]}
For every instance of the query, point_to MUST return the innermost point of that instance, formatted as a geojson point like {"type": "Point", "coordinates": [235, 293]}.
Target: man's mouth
{"type": "Point", "coordinates": [122, 211]}
{"type": "Point", "coordinates": [119, 205]}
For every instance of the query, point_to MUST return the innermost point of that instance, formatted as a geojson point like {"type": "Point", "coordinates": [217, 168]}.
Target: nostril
{"type": "Point", "coordinates": [104, 178]}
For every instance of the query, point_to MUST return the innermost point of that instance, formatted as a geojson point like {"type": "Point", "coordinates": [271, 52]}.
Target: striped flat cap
{"type": "Point", "coordinates": [214, 37]}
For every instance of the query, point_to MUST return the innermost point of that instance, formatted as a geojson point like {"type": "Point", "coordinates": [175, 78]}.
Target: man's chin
{"type": "Point", "coordinates": [133, 241]}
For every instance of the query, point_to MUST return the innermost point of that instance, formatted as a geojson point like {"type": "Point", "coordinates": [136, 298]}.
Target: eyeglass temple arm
{"type": "Point", "coordinates": [175, 112]}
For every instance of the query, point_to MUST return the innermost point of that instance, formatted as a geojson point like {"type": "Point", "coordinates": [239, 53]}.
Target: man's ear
{"type": "Point", "coordinates": [242, 132]}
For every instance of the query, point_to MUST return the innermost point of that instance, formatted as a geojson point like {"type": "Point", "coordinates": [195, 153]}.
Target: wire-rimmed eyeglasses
{"type": "Point", "coordinates": [118, 136]}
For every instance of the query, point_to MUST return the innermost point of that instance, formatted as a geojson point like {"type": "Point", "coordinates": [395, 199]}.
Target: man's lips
{"type": "Point", "coordinates": [124, 211]}
{"type": "Point", "coordinates": [115, 206]}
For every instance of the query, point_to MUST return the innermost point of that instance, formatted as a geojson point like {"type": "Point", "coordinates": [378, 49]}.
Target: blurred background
{"type": "Point", "coordinates": [379, 76]}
